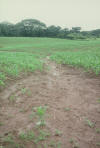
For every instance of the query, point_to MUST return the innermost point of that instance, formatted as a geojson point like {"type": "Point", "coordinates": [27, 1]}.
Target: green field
{"type": "Point", "coordinates": [21, 55]}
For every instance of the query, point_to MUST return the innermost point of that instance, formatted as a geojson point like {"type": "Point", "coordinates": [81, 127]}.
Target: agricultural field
{"type": "Point", "coordinates": [20, 55]}
{"type": "Point", "coordinates": [49, 93]}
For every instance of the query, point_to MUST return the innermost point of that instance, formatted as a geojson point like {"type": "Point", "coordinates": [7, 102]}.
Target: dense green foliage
{"type": "Point", "coordinates": [21, 55]}
{"type": "Point", "coordinates": [35, 28]}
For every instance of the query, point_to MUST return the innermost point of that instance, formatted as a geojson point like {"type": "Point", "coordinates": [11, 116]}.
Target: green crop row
{"type": "Point", "coordinates": [89, 60]}
{"type": "Point", "coordinates": [12, 64]}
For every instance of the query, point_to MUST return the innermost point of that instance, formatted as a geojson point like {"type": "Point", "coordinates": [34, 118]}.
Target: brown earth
{"type": "Point", "coordinates": [73, 100]}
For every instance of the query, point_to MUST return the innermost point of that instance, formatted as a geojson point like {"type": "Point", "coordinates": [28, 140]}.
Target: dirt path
{"type": "Point", "coordinates": [73, 104]}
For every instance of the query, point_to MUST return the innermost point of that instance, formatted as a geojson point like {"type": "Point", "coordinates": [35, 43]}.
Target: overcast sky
{"type": "Point", "coordinates": [66, 13]}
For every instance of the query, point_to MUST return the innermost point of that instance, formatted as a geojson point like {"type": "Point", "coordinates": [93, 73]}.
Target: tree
{"type": "Point", "coordinates": [63, 33]}
{"type": "Point", "coordinates": [75, 29]}
{"type": "Point", "coordinates": [30, 27]}
{"type": "Point", "coordinates": [53, 31]}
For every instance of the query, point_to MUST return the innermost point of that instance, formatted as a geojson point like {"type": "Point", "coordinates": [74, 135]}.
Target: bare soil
{"type": "Point", "coordinates": [72, 97]}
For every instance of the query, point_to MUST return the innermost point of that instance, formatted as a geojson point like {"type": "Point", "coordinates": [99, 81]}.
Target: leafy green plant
{"type": "Point", "coordinates": [89, 123]}
{"type": "Point", "coordinates": [41, 115]}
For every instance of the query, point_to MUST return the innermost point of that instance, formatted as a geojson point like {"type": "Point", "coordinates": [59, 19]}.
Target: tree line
{"type": "Point", "coordinates": [36, 28]}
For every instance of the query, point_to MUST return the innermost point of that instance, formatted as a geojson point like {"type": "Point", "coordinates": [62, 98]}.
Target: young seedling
{"type": "Point", "coordinates": [27, 136]}
{"type": "Point", "coordinates": [59, 145]}
{"type": "Point", "coordinates": [19, 145]}
{"type": "Point", "coordinates": [89, 123]}
{"type": "Point", "coordinates": [55, 144]}
{"type": "Point", "coordinates": [23, 90]}
{"type": "Point", "coordinates": [41, 115]}
{"type": "Point", "coordinates": [42, 136]}
{"type": "Point", "coordinates": [58, 132]}
{"type": "Point", "coordinates": [23, 136]}
{"type": "Point", "coordinates": [74, 143]}
{"type": "Point", "coordinates": [12, 98]}
{"type": "Point", "coordinates": [98, 130]}
{"type": "Point", "coordinates": [67, 109]}
{"type": "Point", "coordinates": [71, 141]}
